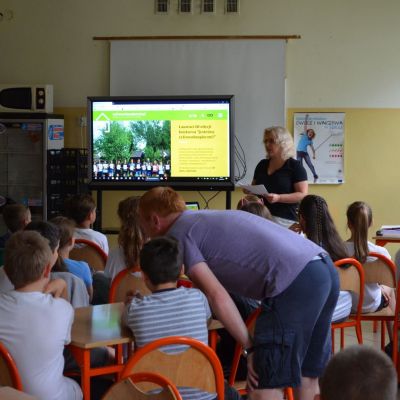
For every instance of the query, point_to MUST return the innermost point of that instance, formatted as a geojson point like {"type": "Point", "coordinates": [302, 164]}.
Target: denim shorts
{"type": "Point", "coordinates": [292, 335]}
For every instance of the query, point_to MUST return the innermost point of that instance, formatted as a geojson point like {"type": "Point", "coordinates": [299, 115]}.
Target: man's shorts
{"type": "Point", "coordinates": [292, 336]}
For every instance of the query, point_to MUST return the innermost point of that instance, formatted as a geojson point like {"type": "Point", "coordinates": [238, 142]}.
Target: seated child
{"type": "Point", "coordinates": [16, 217]}
{"type": "Point", "coordinates": [359, 373]}
{"type": "Point", "coordinates": [257, 208]}
{"type": "Point", "coordinates": [82, 210]}
{"type": "Point", "coordinates": [80, 269]}
{"type": "Point", "coordinates": [376, 296]}
{"type": "Point", "coordinates": [316, 222]}
{"type": "Point", "coordinates": [35, 326]}
{"type": "Point", "coordinates": [130, 239]}
{"type": "Point", "coordinates": [248, 198]}
{"type": "Point", "coordinates": [156, 316]}
{"type": "Point", "coordinates": [76, 290]}
{"type": "Point", "coordinates": [56, 286]}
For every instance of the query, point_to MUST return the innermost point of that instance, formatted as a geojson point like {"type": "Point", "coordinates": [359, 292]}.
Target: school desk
{"type": "Point", "coordinates": [97, 326]}
{"type": "Point", "coordinates": [8, 393]}
{"type": "Point", "coordinates": [382, 240]}
{"type": "Point", "coordinates": [212, 333]}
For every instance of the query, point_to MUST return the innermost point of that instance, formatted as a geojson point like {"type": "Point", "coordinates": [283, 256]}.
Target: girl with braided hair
{"type": "Point", "coordinates": [130, 239]}
{"type": "Point", "coordinates": [359, 219]}
{"type": "Point", "coordinates": [316, 223]}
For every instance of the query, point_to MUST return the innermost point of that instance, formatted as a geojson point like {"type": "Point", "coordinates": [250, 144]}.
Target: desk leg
{"type": "Point", "coordinates": [85, 379]}
{"type": "Point", "coordinates": [213, 338]}
{"type": "Point", "coordinates": [119, 358]}
{"type": "Point", "coordinates": [82, 357]}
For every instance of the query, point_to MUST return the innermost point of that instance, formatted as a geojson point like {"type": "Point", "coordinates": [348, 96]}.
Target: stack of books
{"type": "Point", "coordinates": [389, 230]}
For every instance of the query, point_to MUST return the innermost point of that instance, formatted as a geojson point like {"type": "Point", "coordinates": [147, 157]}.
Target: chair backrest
{"type": "Point", "coordinates": [195, 367]}
{"type": "Point", "coordinates": [9, 375]}
{"type": "Point", "coordinates": [127, 280]}
{"type": "Point", "coordinates": [90, 252]}
{"type": "Point", "coordinates": [128, 389]}
{"type": "Point", "coordinates": [351, 275]}
{"type": "Point", "coordinates": [250, 324]}
{"type": "Point", "coordinates": [382, 270]}
{"type": "Point", "coordinates": [352, 278]}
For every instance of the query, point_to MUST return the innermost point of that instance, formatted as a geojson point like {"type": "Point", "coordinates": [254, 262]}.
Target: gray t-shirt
{"type": "Point", "coordinates": [249, 255]}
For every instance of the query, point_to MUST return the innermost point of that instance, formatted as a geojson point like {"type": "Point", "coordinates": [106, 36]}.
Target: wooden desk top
{"type": "Point", "coordinates": [97, 326]}
{"type": "Point", "coordinates": [8, 393]}
{"type": "Point", "coordinates": [215, 324]}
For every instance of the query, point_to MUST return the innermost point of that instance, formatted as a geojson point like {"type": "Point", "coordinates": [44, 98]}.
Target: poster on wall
{"type": "Point", "coordinates": [319, 141]}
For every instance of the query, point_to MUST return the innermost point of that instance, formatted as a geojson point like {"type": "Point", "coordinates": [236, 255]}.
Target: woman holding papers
{"type": "Point", "coordinates": [284, 177]}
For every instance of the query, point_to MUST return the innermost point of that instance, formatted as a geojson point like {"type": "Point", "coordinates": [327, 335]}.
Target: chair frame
{"type": "Point", "coordinates": [347, 283]}
{"type": "Point", "coordinates": [11, 367]}
{"type": "Point", "coordinates": [386, 277]}
{"type": "Point", "coordinates": [151, 377]}
{"type": "Point", "coordinates": [118, 280]}
{"type": "Point", "coordinates": [95, 247]}
{"type": "Point", "coordinates": [250, 324]}
{"type": "Point", "coordinates": [396, 326]}
{"type": "Point", "coordinates": [202, 348]}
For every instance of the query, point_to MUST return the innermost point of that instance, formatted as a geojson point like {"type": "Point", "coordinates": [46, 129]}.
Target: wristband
{"type": "Point", "coordinates": [247, 352]}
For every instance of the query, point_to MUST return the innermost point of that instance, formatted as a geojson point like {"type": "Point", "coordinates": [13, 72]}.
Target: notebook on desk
{"type": "Point", "coordinates": [389, 230]}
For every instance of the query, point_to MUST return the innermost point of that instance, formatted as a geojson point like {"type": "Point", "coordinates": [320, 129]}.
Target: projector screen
{"type": "Point", "coordinates": [140, 142]}
{"type": "Point", "coordinates": [251, 70]}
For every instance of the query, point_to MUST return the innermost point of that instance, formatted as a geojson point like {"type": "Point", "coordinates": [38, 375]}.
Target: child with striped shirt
{"type": "Point", "coordinates": [168, 311]}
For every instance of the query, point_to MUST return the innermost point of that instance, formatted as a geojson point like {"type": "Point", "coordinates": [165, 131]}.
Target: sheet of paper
{"type": "Point", "coordinates": [255, 189]}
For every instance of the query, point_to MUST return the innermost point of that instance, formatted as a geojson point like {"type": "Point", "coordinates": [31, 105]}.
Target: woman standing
{"type": "Point", "coordinates": [284, 177]}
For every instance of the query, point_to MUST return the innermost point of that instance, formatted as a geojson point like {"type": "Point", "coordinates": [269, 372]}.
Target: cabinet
{"type": "Point", "coordinates": [67, 174]}
{"type": "Point", "coordinates": [24, 141]}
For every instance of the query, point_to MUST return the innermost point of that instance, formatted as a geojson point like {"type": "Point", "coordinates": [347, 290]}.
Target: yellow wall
{"type": "Point", "coordinates": [347, 60]}
{"type": "Point", "coordinates": [371, 167]}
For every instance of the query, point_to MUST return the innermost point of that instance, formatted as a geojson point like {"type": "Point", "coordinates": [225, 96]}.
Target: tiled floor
{"type": "Point", "coordinates": [369, 337]}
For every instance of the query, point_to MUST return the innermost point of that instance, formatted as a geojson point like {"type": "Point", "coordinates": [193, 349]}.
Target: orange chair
{"type": "Point", "coordinates": [90, 252]}
{"type": "Point", "coordinates": [9, 375]}
{"type": "Point", "coordinates": [127, 390]}
{"type": "Point", "coordinates": [383, 271]}
{"type": "Point", "coordinates": [240, 386]}
{"type": "Point", "coordinates": [127, 280]}
{"type": "Point", "coordinates": [184, 281]}
{"type": "Point", "coordinates": [396, 326]}
{"type": "Point", "coordinates": [351, 277]}
{"type": "Point", "coordinates": [195, 367]}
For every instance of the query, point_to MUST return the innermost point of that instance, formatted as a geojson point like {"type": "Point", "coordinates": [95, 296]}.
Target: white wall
{"type": "Point", "coordinates": [348, 55]}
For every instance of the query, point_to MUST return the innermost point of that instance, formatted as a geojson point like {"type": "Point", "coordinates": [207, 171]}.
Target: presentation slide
{"type": "Point", "coordinates": [201, 148]}
{"type": "Point", "coordinates": [148, 142]}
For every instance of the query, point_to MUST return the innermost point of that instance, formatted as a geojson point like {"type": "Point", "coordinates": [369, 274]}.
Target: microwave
{"type": "Point", "coordinates": [26, 98]}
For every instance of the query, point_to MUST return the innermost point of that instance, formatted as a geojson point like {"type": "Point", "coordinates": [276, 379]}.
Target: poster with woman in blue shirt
{"type": "Point", "coordinates": [319, 141]}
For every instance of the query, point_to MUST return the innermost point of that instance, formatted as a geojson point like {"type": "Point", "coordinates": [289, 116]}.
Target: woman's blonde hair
{"type": "Point", "coordinates": [284, 139]}
{"type": "Point", "coordinates": [130, 236]}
